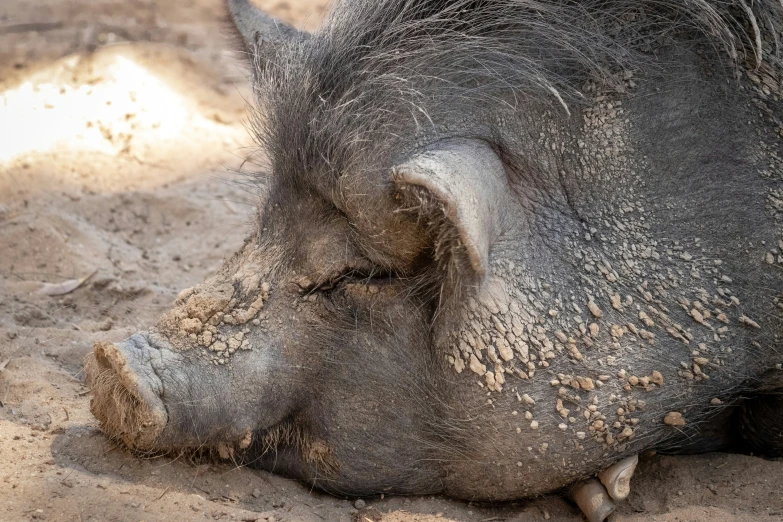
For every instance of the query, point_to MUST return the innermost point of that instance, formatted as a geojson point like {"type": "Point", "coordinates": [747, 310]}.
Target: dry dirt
{"type": "Point", "coordinates": [117, 122]}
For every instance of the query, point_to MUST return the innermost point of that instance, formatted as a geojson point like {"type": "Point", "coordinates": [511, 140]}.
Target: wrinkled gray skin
{"type": "Point", "coordinates": [615, 262]}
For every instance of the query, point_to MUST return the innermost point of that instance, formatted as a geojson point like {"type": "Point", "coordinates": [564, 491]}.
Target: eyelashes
{"type": "Point", "coordinates": [353, 276]}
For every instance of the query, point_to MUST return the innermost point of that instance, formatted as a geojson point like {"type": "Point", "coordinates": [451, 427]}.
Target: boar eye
{"type": "Point", "coordinates": [375, 276]}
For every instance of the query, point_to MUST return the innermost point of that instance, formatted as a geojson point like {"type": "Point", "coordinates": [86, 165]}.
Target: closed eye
{"type": "Point", "coordinates": [371, 277]}
{"type": "Point", "coordinates": [355, 276]}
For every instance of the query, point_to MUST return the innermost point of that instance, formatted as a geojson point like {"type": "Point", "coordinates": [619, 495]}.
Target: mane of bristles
{"type": "Point", "coordinates": [381, 72]}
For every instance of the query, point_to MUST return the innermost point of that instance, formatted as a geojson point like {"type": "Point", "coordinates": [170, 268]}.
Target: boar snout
{"type": "Point", "coordinates": [154, 398]}
{"type": "Point", "coordinates": [127, 391]}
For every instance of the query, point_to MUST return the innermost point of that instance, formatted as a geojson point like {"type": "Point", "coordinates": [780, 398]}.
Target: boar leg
{"type": "Point", "coordinates": [761, 424]}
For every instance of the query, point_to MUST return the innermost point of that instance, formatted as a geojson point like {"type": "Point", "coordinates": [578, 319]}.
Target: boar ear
{"type": "Point", "coordinates": [460, 188]}
{"type": "Point", "coordinates": [260, 33]}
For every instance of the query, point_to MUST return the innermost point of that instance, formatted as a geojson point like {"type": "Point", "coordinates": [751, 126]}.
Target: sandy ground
{"type": "Point", "coordinates": [118, 120]}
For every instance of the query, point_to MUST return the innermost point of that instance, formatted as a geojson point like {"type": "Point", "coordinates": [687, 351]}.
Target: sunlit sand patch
{"type": "Point", "coordinates": [113, 106]}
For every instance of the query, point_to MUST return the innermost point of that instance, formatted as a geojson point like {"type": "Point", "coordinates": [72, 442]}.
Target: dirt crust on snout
{"type": "Point", "coordinates": [120, 411]}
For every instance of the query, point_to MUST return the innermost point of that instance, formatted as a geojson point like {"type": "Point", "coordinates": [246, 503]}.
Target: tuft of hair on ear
{"type": "Point", "coordinates": [451, 269]}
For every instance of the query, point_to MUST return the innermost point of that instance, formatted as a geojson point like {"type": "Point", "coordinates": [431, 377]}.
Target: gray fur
{"type": "Point", "coordinates": [342, 93]}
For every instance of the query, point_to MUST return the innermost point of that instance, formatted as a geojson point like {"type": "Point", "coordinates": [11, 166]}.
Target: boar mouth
{"type": "Point", "coordinates": [291, 435]}
{"type": "Point", "coordinates": [127, 406]}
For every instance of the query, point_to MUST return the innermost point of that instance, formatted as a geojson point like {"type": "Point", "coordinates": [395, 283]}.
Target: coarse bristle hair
{"type": "Point", "coordinates": [380, 74]}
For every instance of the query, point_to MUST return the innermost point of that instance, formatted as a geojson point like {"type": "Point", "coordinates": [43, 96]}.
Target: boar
{"type": "Point", "coordinates": [501, 247]}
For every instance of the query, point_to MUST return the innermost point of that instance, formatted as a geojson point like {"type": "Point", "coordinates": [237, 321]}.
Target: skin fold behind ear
{"type": "Point", "coordinates": [470, 181]}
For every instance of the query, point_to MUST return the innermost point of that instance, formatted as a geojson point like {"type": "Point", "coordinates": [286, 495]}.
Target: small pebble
{"type": "Point", "coordinates": [359, 504]}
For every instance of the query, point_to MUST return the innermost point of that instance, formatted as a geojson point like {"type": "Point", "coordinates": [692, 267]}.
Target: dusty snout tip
{"type": "Point", "coordinates": [125, 404]}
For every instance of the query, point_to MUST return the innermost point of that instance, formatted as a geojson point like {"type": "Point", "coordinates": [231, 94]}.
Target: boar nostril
{"type": "Point", "coordinates": [120, 401]}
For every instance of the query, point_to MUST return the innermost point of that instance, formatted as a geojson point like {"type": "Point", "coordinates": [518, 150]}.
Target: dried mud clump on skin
{"type": "Point", "coordinates": [596, 345]}
{"type": "Point", "coordinates": [120, 412]}
{"type": "Point", "coordinates": [202, 314]}
{"type": "Point", "coordinates": [193, 312]}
